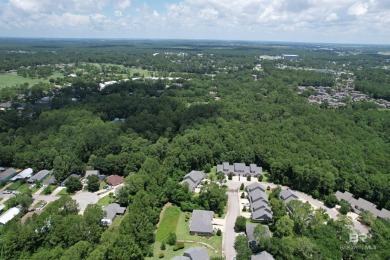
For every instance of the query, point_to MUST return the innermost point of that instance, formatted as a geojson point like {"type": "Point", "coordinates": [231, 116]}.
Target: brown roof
{"type": "Point", "coordinates": [114, 180]}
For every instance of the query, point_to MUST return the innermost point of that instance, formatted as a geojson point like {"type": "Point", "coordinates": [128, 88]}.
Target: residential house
{"type": "Point", "coordinates": [201, 222]}
{"type": "Point", "coordinates": [239, 169]}
{"type": "Point", "coordinates": [39, 176]}
{"type": "Point", "coordinates": [72, 175]}
{"type": "Point", "coordinates": [194, 178]}
{"type": "Point", "coordinates": [90, 173]}
{"type": "Point", "coordinates": [23, 174]}
{"type": "Point", "coordinates": [112, 210]}
{"type": "Point", "coordinates": [7, 174]}
{"type": "Point", "coordinates": [51, 180]}
{"type": "Point", "coordinates": [9, 215]}
{"type": "Point", "coordinates": [258, 199]}
{"type": "Point", "coordinates": [193, 253]}
{"type": "Point", "coordinates": [249, 231]}
{"type": "Point", "coordinates": [114, 180]}
{"type": "Point", "coordinates": [262, 256]}
{"type": "Point", "coordinates": [288, 195]}
{"type": "Point", "coordinates": [360, 205]}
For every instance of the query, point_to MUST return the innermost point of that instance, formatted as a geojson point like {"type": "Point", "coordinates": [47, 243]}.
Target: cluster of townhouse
{"type": "Point", "coordinates": [239, 169]}
{"type": "Point", "coordinates": [360, 205]}
{"type": "Point", "coordinates": [340, 97]}
{"type": "Point", "coordinates": [259, 207]}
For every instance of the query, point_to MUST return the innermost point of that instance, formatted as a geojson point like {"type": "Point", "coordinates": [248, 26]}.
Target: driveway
{"type": "Point", "coordinates": [233, 211]}
{"type": "Point", "coordinates": [85, 198]}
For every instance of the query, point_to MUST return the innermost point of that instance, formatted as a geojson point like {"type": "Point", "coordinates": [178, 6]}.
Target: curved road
{"type": "Point", "coordinates": [233, 211]}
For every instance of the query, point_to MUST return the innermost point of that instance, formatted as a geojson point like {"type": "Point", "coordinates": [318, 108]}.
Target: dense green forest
{"type": "Point", "coordinates": [169, 131]}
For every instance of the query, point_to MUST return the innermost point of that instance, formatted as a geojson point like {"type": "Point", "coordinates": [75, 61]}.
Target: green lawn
{"type": "Point", "coordinates": [25, 187]}
{"type": "Point", "coordinates": [105, 201]}
{"type": "Point", "coordinates": [102, 184]}
{"type": "Point", "coordinates": [63, 192]}
{"type": "Point", "coordinates": [11, 79]}
{"type": "Point", "coordinates": [168, 223]}
{"type": "Point", "coordinates": [15, 185]}
{"type": "Point", "coordinates": [52, 188]}
{"type": "Point", "coordinates": [212, 175]}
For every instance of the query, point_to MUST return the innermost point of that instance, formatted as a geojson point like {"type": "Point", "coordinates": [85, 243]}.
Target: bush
{"type": "Point", "coordinates": [248, 178]}
{"type": "Point", "coordinates": [163, 246]}
{"type": "Point", "coordinates": [242, 195]}
{"type": "Point", "coordinates": [48, 190]}
{"type": "Point", "coordinates": [260, 177]}
{"type": "Point", "coordinates": [179, 245]}
{"type": "Point", "coordinates": [242, 186]}
{"type": "Point", "coordinates": [244, 209]}
{"type": "Point", "coordinates": [161, 255]}
{"type": "Point", "coordinates": [219, 232]}
{"type": "Point", "coordinates": [230, 177]}
{"type": "Point", "coordinates": [240, 224]}
{"type": "Point", "coordinates": [345, 207]}
{"type": "Point", "coordinates": [171, 239]}
{"type": "Point", "coordinates": [331, 201]}
{"type": "Point", "coordinates": [207, 168]}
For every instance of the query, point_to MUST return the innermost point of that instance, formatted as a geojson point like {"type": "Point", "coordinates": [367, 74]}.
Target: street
{"type": "Point", "coordinates": [233, 211]}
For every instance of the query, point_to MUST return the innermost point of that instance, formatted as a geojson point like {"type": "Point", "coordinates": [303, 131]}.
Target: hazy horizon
{"type": "Point", "coordinates": [300, 21]}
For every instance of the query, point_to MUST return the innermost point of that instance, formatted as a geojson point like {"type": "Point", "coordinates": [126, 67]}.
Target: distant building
{"type": "Point", "coordinates": [239, 169]}
{"type": "Point", "coordinates": [193, 253]}
{"type": "Point", "coordinates": [7, 174]}
{"type": "Point", "coordinates": [263, 256]}
{"type": "Point", "coordinates": [201, 222]}
{"type": "Point", "coordinates": [194, 178]}
{"type": "Point", "coordinates": [90, 173]}
{"type": "Point", "coordinates": [290, 56]}
{"type": "Point", "coordinates": [9, 215]}
{"type": "Point", "coordinates": [258, 199]}
{"type": "Point", "coordinates": [249, 231]}
{"type": "Point", "coordinates": [63, 184]}
{"type": "Point", "coordinates": [360, 205]}
{"type": "Point", "coordinates": [51, 180]}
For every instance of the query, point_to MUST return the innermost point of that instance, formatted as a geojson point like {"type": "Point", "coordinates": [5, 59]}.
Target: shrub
{"type": "Point", "coordinates": [331, 201]}
{"type": "Point", "coordinates": [161, 255]}
{"type": "Point", "coordinates": [248, 178]}
{"type": "Point", "coordinates": [230, 177]}
{"type": "Point", "coordinates": [219, 232]}
{"type": "Point", "coordinates": [260, 177]}
{"type": "Point", "coordinates": [171, 239]}
{"type": "Point", "coordinates": [178, 246]}
{"type": "Point", "coordinates": [163, 246]}
{"type": "Point", "coordinates": [242, 195]}
{"type": "Point", "coordinates": [240, 224]}
{"type": "Point", "coordinates": [242, 186]}
{"type": "Point", "coordinates": [244, 209]}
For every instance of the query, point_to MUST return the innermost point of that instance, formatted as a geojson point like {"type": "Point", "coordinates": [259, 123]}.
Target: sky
{"type": "Point", "coordinates": [327, 21]}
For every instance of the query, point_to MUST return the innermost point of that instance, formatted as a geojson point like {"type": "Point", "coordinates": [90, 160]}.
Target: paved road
{"type": "Point", "coordinates": [233, 211]}
{"type": "Point", "coordinates": [85, 198]}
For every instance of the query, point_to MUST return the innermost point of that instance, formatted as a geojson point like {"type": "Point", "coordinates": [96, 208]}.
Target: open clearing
{"type": "Point", "coordinates": [168, 223]}
{"type": "Point", "coordinates": [11, 79]}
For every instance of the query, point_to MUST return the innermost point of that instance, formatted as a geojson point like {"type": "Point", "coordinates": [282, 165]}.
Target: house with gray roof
{"type": "Point", "coordinates": [201, 222]}
{"type": "Point", "coordinates": [7, 174]}
{"type": "Point", "coordinates": [26, 173]}
{"type": "Point", "coordinates": [288, 195]}
{"type": "Point", "coordinates": [72, 175]}
{"type": "Point", "coordinates": [250, 230]}
{"type": "Point", "coordinates": [239, 169]}
{"type": "Point", "coordinates": [363, 205]}
{"type": "Point", "coordinates": [112, 210]}
{"type": "Point", "coordinates": [51, 180]}
{"type": "Point", "coordinates": [39, 176]}
{"type": "Point", "coordinates": [346, 196]}
{"type": "Point", "coordinates": [193, 253]}
{"type": "Point", "coordinates": [90, 173]}
{"type": "Point", "coordinates": [384, 213]}
{"type": "Point", "coordinates": [194, 178]}
{"type": "Point", "coordinates": [263, 256]}
{"type": "Point", "coordinates": [257, 195]}
{"type": "Point", "coordinates": [254, 186]}
{"type": "Point", "coordinates": [262, 215]}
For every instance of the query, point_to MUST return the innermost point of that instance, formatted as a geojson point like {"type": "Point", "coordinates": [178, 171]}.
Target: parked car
{"type": "Point", "coordinates": [7, 192]}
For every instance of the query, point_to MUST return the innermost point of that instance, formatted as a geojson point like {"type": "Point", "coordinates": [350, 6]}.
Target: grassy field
{"type": "Point", "coordinates": [63, 192]}
{"type": "Point", "coordinates": [11, 79]}
{"type": "Point", "coordinates": [105, 201]}
{"type": "Point", "coordinates": [15, 185]}
{"type": "Point", "coordinates": [25, 187]}
{"type": "Point", "coordinates": [168, 223]}
{"type": "Point", "coordinates": [143, 72]}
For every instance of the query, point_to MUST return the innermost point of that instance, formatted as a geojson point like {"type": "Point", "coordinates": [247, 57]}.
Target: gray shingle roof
{"type": "Point", "coordinates": [8, 173]}
{"type": "Point", "coordinates": [256, 195]}
{"type": "Point", "coordinates": [239, 168]}
{"type": "Point", "coordinates": [201, 221]}
{"type": "Point", "coordinates": [255, 186]}
{"type": "Point", "coordinates": [262, 214]}
{"type": "Point", "coordinates": [91, 172]}
{"type": "Point", "coordinates": [51, 180]}
{"type": "Point", "coordinates": [384, 213]}
{"type": "Point", "coordinates": [197, 253]}
{"type": "Point", "coordinates": [39, 176]}
{"type": "Point", "coordinates": [288, 195]}
{"type": "Point", "coordinates": [249, 231]}
{"type": "Point", "coordinates": [260, 204]}
{"type": "Point", "coordinates": [181, 258]}
{"type": "Point", "coordinates": [343, 196]}
{"type": "Point", "coordinates": [193, 179]}
{"type": "Point", "coordinates": [262, 256]}
{"type": "Point", "coordinates": [113, 209]}
{"type": "Point", "coordinates": [363, 204]}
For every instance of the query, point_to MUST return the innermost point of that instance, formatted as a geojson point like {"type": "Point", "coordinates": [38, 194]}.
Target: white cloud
{"type": "Point", "coordinates": [122, 4]}
{"type": "Point", "coordinates": [331, 17]}
{"type": "Point", "coordinates": [358, 9]}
